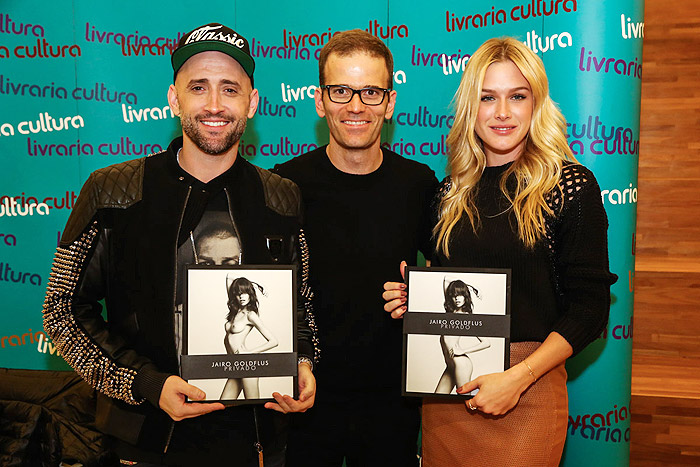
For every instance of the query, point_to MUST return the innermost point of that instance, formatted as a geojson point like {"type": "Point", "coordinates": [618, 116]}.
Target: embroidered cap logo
{"type": "Point", "coordinates": [210, 33]}
{"type": "Point", "coordinates": [214, 37]}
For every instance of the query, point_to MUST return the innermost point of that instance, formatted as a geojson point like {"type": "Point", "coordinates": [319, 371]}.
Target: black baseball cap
{"type": "Point", "coordinates": [214, 37]}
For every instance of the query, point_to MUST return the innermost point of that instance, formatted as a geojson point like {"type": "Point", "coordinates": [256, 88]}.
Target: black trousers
{"type": "Point", "coordinates": [365, 430]}
{"type": "Point", "coordinates": [223, 438]}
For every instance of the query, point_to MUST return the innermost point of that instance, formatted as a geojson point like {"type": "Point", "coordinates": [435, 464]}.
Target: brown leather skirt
{"type": "Point", "coordinates": [531, 434]}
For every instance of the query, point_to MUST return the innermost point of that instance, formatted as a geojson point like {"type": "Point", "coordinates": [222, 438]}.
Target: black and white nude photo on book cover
{"type": "Point", "coordinates": [456, 328]}
{"type": "Point", "coordinates": [239, 332]}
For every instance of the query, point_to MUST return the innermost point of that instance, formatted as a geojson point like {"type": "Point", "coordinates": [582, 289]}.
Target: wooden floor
{"type": "Point", "coordinates": [665, 403]}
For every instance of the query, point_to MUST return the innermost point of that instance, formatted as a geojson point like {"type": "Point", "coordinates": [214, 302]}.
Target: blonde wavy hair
{"type": "Point", "coordinates": [537, 170]}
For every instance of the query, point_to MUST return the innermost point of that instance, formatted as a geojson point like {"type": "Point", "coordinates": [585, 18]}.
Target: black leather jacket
{"type": "Point", "coordinates": [120, 245]}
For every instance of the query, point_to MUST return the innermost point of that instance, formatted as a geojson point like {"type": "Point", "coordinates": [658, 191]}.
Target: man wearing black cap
{"type": "Point", "coordinates": [128, 240]}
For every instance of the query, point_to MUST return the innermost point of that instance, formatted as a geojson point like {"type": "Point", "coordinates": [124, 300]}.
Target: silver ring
{"type": "Point", "coordinates": [469, 404]}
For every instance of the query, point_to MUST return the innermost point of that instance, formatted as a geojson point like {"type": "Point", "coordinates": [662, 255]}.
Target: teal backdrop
{"type": "Point", "coordinates": [83, 85]}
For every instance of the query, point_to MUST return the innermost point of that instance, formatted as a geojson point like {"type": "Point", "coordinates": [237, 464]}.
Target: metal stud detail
{"type": "Point", "coordinates": [72, 341]}
{"type": "Point", "coordinates": [308, 294]}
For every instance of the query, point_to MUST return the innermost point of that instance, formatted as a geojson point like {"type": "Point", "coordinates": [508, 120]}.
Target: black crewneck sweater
{"type": "Point", "coordinates": [359, 228]}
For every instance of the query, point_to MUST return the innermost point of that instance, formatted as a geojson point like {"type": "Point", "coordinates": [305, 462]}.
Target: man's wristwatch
{"type": "Point", "coordinates": [301, 360]}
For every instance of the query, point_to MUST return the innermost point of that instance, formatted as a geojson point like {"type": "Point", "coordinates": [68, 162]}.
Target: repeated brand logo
{"type": "Point", "coordinates": [8, 26]}
{"type": "Point", "coordinates": [19, 277]}
{"type": "Point", "coordinates": [619, 331]}
{"type": "Point", "coordinates": [423, 118]}
{"type": "Point", "coordinates": [478, 20]}
{"type": "Point", "coordinates": [536, 8]}
{"type": "Point", "coordinates": [143, 50]}
{"type": "Point", "coordinates": [258, 49]}
{"type": "Point", "coordinates": [531, 9]}
{"type": "Point", "coordinates": [9, 207]}
{"type": "Point", "coordinates": [290, 93]}
{"type": "Point", "coordinates": [632, 68]}
{"type": "Point", "coordinates": [630, 30]}
{"type": "Point", "coordinates": [92, 34]}
{"type": "Point", "coordinates": [399, 77]}
{"type": "Point", "coordinates": [141, 115]}
{"type": "Point", "coordinates": [534, 42]}
{"type": "Point", "coordinates": [392, 32]}
{"type": "Point", "coordinates": [599, 426]}
{"type": "Point", "coordinates": [8, 239]}
{"type": "Point", "coordinates": [630, 272]}
{"type": "Point", "coordinates": [426, 148]}
{"type": "Point", "coordinates": [247, 150]}
{"type": "Point", "coordinates": [98, 93]}
{"type": "Point", "coordinates": [42, 49]}
{"type": "Point", "coordinates": [615, 196]}
{"type": "Point", "coordinates": [77, 149]}
{"type": "Point", "coordinates": [45, 123]}
{"type": "Point", "coordinates": [456, 61]}
{"type": "Point", "coordinates": [18, 340]}
{"type": "Point", "coordinates": [449, 65]}
{"type": "Point", "coordinates": [283, 148]}
{"type": "Point", "coordinates": [630, 280]}
{"type": "Point", "coordinates": [132, 44]}
{"type": "Point", "coordinates": [622, 331]}
{"type": "Point", "coordinates": [601, 139]}
{"type": "Point", "coordinates": [267, 109]}
{"type": "Point", "coordinates": [65, 201]}
{"type": "Point", "coordinates": [124, 146]}
{"type": "Point", "coordinates": [43, 343]}
{"type": "Point", "coordinates": [291, 40]}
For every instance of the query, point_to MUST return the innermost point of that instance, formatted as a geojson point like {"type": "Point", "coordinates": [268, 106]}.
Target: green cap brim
{"type": "Point", "coordinates": [182, 54]}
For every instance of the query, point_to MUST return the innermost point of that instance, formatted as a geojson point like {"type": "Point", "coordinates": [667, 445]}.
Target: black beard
{"type": "Point", "coordinates": [191, 129]}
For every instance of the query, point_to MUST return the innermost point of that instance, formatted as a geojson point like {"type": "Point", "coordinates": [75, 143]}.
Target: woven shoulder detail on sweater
{"type": "Point", "coordinates": [444, 187]}
{"type": "Point", "coordinates": [442, 190]}
{"type": "Point", "coordinates": [574, 178]}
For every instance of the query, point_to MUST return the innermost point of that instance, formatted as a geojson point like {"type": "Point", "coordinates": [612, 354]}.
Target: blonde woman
{"type": "Point", "coordinates": [516, 198]}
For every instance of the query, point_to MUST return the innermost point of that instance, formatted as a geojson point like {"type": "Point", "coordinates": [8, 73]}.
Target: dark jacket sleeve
{"type": "Point", "coordinates": [284, 197]}
{"type": "Point", "coordinates": [307, 333]}
{"type": "Point", "coordinates": [73, 313]}
{"type": "Point", "coordinates": [581, 260]}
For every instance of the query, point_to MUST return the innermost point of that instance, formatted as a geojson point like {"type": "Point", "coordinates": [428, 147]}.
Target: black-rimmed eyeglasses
{"type": "Point", "coordinates": [341, 94]}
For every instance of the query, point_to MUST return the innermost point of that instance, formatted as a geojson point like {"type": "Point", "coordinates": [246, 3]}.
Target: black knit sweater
{"type": "Point", "coordinates": [563, 283]}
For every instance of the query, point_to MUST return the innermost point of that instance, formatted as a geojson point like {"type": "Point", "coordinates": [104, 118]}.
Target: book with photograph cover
{"type": "Point", "coordinates": [456, 328]}
{"type": "Point", "coordinates": [239, 332]}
